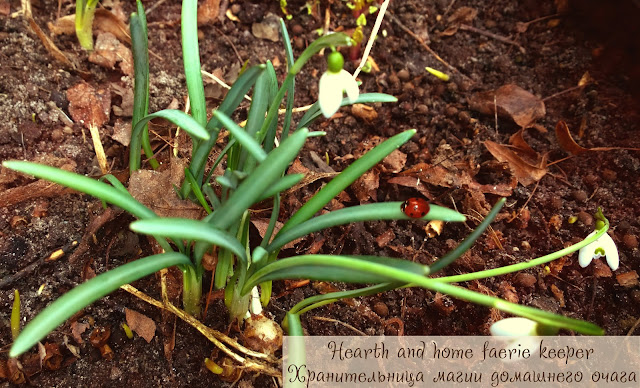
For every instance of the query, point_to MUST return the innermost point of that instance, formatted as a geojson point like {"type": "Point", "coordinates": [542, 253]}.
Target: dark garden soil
{"type": "Point", "coordinates": [543, 47]}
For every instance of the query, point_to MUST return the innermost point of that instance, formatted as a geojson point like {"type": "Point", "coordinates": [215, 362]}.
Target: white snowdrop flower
{"type": "Point", "coordinates": [333, 83]}
{"type": "Point", "coordinates": [516, 326]}
{"type": "Point", "coordinates": [602, 247]}
{"type": "Point", "coordinates": [521, 333]}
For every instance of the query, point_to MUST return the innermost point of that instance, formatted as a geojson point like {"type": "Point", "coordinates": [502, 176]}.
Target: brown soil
{"type": "Point", "coordinates": [556, 53]}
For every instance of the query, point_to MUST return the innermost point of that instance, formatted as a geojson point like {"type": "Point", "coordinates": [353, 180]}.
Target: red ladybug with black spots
{"type": "Point", "coordinates": [415, 207]}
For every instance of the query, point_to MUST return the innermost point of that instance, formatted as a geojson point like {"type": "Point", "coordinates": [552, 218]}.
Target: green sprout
{"type": "Point", "coordinates": [85, 11]}
{"type": "Point", "coordinates": [257, 159]}
{"type": "Point", "coordinates": [15, 315]}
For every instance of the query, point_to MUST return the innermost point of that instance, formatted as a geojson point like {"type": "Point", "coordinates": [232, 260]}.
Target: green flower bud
{"type": "Point", "coordinates": [335, 61]}
{"type": "Point", "coordinates": [599, 224]}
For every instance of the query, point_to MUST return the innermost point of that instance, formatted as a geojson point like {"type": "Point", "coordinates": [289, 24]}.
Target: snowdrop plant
{"type": "Point", "coordinates": [602, 247]}
{"type": "Point", "coordinates": [255, 171]}
{"type": "Point", "coordinates": [85, 11]}
{"type": "Point", "coordinates": [333, 83]}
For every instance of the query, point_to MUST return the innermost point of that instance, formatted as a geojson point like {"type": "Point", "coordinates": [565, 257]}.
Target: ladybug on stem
{"type": "Point", "coordinates": [415, 207]}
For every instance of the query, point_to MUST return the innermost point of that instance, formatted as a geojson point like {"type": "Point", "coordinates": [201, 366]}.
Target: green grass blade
{"type": "Point", "coordinates": [291, 89]}
{"type": "Point", "coordinates": [140, 49]}
{"type": "Point", "coordinates": [346, 177]}
{"type": "Point", "coordinates": [15, 315]}
{"type": "Point", "coordinates": [115, 183]}
{"type": "Point", "coordinates": [200, 154]}
{"type": "Point", "coordinates": [196, 190]}
{"type": "Point", "coordinates": [324, 299]}
{"type": "Point", "coordinates": [177, 117]}
{"type": "Point", "coordinates": [348, 269]}
{"type": "Point", "coordinates": [83, 184]}
{"type": "Point", "coordinates": [368, 212]}
{"type": "Point", "coordinates": [366, 98]}
{"type": "Point", "coordinates": [88, 292]}
{"type": "Point", "coordinates": [185, 229]}
{"type": "Point", "coordinates": [281, 185]}
{"type": "Point", "coordinates": [469, 240]}
{"type": "Point", "coordinates": [259, 105]}
{"type": "Point", "coordinates": [251, 189]}
{"type": "Point", "coordinates": [242, 137]}
{"type": "Point", "coordinates": [191, 59]}
{"type": "Point", "coordinates": [270, 134]}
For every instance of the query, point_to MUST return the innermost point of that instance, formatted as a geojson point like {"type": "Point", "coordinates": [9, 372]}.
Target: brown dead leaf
{"type": "Point", "coordinates": [508, 292]}
{"type": "Point", "coordinates": [628, 279]}
{"type": "Point", "coordinates": [385, 238]}
{"type": "Point", "coordinates": [144, 326]}
{"type": "Point", "coordinates": [263, 223]}
{"type": "Point", "coordinates": [5, 9]}
{"type": "Point", "coordinates": [77, 329]}
{"type": "Point", "coordinates": [517, 140]}
{"type": "Point", "coordinates": [395, 161]}
{"type": "Point", "coordinates": [510, 101]}
{"type": "Point", "coordinates": [366, 185]}
{"type": "Point", "coordinates": [208, 11]}
{"type": "Point", "coordinates": [414, 183]}
{"type": "Point", "coordinates": [88, 105]}
{"type": "Point", "coordinates": [568, 144]}
{"type": "Point", "coordinates": [99, 336]}
{"type": "Point", "coordinates": [524, 172]}
{"type": "Point", "coordinates": [463, 15]}
{"type": "Point", "coordinates": [558, 294]}
{"type": "Point", "coordinates": [364, 112]}
{"type": "Point", "coordinates": [438, 175]}
{"type": "Point", "coordinates": [53, 357]}
{"type": "Point", "coordinates": [122, 132]}
{"type": "Point", "coordinates": [104, 21]}
{"type": "Point", "coordinates": [600, 269]}
{"type": "Point", "coordinates": [14, 371]}
{"type": "Point", "coordinates": [108, 51]}
{"type": "Point", "coordinates": [154, 189]}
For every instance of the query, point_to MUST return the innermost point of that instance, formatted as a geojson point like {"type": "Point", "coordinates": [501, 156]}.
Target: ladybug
{"type": "Point", "coordinates": [415, 207]}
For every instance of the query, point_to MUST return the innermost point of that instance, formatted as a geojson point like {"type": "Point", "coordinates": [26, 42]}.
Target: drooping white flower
{"type": "Point", "coordinates": [516, 326]}
{"type": "Point", "coordinates": [520, 333]}
{"type": "Point", "coordinates": [602, 247]}
{"type": "Point", "coordinates": [333, 83]}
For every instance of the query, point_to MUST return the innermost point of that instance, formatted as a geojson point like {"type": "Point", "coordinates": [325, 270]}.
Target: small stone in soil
{"type": "Point", "coordinates": [585, 218]}
{"type": "Point", "coordinates": [579, 195]}
{"type": "Point", "coordinates": [381, 309]}
{"type": "Point", "coordinates": [403, 75]}
{"type": "Point", "coordinates": [630, 241]}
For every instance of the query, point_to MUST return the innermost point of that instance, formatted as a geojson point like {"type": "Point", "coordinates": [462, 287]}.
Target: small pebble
{"type": "Point", "coordinates": [585, 218]}
{"type": "Point", "coordinates": [404, 75]}
{"type": "Point", "coordinates": [579, 195]}
{"type": "Point", "coordinates": [422, 109]}
{"type": "Point", "coordinates": [296, 29]}
{"type": "Point", "coordinates": [556, 203]}
{"type": "Point", "coordinates": [57, 134]}
{"type": "Point", "coordinates": [235, 9]}
{"type": "Point", "coordinates": [393, 79]}
{"type": "Point", "coordinates": [381, 309]}
{"type": "Point", "coordinates": [525, 279]}
{"type": "Point", "coordinates": [464, 117]}
{"type": "Point", "coordinates": [298, 43]}
{"type": "Point", "coordinates": [407, 87]}
{"type": "Point", "coordinates": [630, 241]}
{"type": "Point", "coordinates": [609, 175]}
{"type": "Point", "coordinates": [406, 106]}
{"type": "Point", "coordinates": [623, 226]}
{"type": "Point", "coordinates": [451, 111]}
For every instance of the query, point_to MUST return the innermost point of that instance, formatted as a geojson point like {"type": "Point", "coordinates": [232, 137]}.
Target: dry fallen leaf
{"type": "Point", "coordinates": [510, 101]}
{"type": "Point", "coordinates": [364, 112]}
{"type": "Point", "coordinates": [144, 326]}
{"type": "Point", "coordinates": [108, 51]}
{"type": "Point", "coordinates": [208, 11]}
{"type": "Point", "coordinates": [568, 144]}
{"type": "Point", "coordinates": [104, 21]}
{"type": "Point", "coordinates": [366, 185]}
{"type": "Point", "coordinates": [88, 105]}
{"type": "Point", "coordinates": [154, 189]}
{"type": "Point", "coordinates": [263, 223]}
{"type": "Point", "coordinates": [627, 279]}
{"type": "Point", "coordinates": [524, 172]}
{"type": "Point", "coordinates": [77, 329]}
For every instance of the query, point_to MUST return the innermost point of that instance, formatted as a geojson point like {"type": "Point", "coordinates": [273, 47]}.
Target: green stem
{"type": "Point", "coordinates": [192, 290]}
{"type": "Point", "coordinates": [520, 266]}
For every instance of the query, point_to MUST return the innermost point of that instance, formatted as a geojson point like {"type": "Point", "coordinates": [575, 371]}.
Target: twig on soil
{"type": "Point", "coordinates": [426, 47]}
{"type": "Point", "coordinates": [348, 326]}
{"type": "Point", "coordinates": [231, 43]}
{"type": "Point", "coordinates": [499, 38]}
{"type": "Point", "coordinates": [212, 335]}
